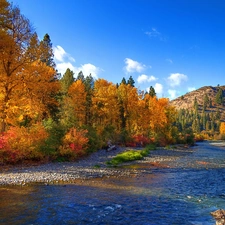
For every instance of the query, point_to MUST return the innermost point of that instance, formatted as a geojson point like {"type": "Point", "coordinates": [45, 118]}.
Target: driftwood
{"type": "Point", "coordinates": [110, 148]}
{"type": "Point", "coordinates": [219, 216]}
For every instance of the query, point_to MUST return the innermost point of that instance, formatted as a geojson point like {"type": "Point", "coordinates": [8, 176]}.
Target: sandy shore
{"type": "Point", "coordinates": [93, 166]}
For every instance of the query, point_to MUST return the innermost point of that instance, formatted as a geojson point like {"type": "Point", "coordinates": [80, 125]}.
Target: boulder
{"type": "Point", "coordinates": [219, 216]}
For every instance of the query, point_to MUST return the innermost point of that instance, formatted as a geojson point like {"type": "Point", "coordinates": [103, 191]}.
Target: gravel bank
{"type": "Point", "coordinates": [94, 166]}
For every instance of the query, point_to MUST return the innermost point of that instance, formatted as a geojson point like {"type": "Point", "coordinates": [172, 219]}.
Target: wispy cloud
{"type": "Point", "coordinates": [154, 33]}
{"type": "Point", "coordinates": [65, 60]}
{"type": "Point", "coordinates": [61, 55]}
{"type": "Point", "coordinates": [175, 79]}
{"type": "Point", "coordinates": [133, 66]}
{"type": "Point", "coordinates": [144, 78]}
{"type": "Point", "coordinates": [170, 61]}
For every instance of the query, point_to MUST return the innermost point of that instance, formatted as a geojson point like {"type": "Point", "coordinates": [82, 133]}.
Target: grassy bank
{"type": "Point", "coordinates": [131, 155]}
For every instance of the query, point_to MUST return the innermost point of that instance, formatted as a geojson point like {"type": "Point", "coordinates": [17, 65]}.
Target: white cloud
{"type": "Point", "coordinates": [191, 89]}
{"type": "Point", "coordinates": [62, 67]}
{"type": "Point", "coordinates": [170, 61]}
{"type": "Point", "coordinates": [175, 79]}
{"type": "Point", "coordinates": [172, 94]}
{"type": "Point", "coordinates": [61, 55]}
{"type": "Point", "coordinates": [88, 69]}
{"type": "Point", "coordinates": [158, 89]}
{"type": "Point", "coordinates": [64, 61]}
{"type": "Point", "coordinates": [144, 78]}
{"type": "Point", "coordinates": [154, 33]}
{"type": "Point", "coordinates": [133, 66]}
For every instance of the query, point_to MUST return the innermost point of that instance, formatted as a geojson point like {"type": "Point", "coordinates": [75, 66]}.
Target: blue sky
{"type": "Point", "coordinates": [173, 45]}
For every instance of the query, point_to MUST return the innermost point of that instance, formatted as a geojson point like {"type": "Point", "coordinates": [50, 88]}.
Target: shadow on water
{"type": "Point", "coordinates": [185, 192]}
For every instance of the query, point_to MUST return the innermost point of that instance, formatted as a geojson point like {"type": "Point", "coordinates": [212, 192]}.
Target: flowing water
{"type": "Point", "coordinates": [181, 192]}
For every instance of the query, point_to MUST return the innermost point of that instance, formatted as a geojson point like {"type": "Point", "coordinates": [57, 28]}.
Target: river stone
{"type": "Point", "coordinates": [219, 216]}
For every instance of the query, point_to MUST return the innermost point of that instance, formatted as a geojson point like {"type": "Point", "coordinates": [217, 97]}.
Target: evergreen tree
{"type": "Point", "coordinates": [219, 97]}
{"type": "Point", "coordinates": [67, 80]}
{"type": "Point", "coordinates": [210, 103]}
{"type": "Point", "coordinates": [123, 81]}
{"type": "Point", "coordinates": [203, 121]}
{"type": "Point", "coordinates": [208, 125]}
{"type": "Point", "coordinates": [80, 76]}
{"type": "Point", "coordinates": [196, 105]}
{"type": "Point", "coordinates": [217, 116]}
{"type": "Point", "coordinates": [89, 85]}
{"type": "Point", "coordinates": [131, 81]}
{"type": "Point", "coordinates": [212, 126]}
{"type": "Point", "coordinates": [152, 92]}
{"type": "Point", "coordinates": [206, 100]}
{"type": "Point", "coordinates": [47, 55]}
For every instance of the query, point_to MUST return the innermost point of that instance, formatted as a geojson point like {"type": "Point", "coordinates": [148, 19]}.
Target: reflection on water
{"type": "Point", "coordinates": [185, 192]}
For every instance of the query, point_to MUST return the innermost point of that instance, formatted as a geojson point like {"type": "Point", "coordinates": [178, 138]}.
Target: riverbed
{"type": "Point", "coordinates": [180, 186]}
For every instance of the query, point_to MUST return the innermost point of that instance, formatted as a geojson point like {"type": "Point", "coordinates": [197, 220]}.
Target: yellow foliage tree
{"type": "Point", "coordinates": [128, 98]}
{"type": "Point", "coordinates": [77, 100]}
{"type": "Point", "coordinates": [105, 108]}
{"type": "Point", "coordinates": [222, 128]}
{"type": "Point", "coordinates": [26, 84]}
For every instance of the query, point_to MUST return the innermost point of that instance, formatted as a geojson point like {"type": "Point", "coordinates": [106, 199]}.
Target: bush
{"type": "Point", "coordinates": [94, 141]}
{"type": "Point", "coordinates": [21, 143]}
{"type": "Point", "coordinates": [56, 132]}
{"type": "Point", "coordinates": [75, 144]}
{"type": "Point", "coordinates": [141, 140]}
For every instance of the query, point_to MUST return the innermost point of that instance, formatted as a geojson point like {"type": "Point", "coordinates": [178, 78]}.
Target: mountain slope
{"type": "Point", "coordinates": [187, 101]}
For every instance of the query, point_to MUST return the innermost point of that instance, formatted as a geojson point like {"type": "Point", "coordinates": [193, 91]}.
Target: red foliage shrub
{"type": "Point", "coordinates": [75, 143]}
{"type": "Point", "coordinates": [141, 140]}
{"type": "Point", "coordinates": [20, 143]}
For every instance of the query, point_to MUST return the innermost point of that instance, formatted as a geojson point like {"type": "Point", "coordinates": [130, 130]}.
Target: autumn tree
{"type": "Point", "coordinates": [22, 71]}
{"type": "Point", "coordinates": [105, 108]}
{"type": "Point", "coordinates": [128, 100]}
{"type": "Point", "coordinates": [77, 100]}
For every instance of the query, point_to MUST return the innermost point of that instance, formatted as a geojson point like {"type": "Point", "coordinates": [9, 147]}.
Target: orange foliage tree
{"type": "Point", "coordinates": [222, 128]}
{"type": "Point", "coordinates": [74, 143]}
{"type": "Point", "coordinates": [77, 100]}
{"type": "Point", "coordinates": [24, 78]}
{"type": "Point", "coordinates": [105, 108]}
{"type": "Point", "coordinates": [128, 98]}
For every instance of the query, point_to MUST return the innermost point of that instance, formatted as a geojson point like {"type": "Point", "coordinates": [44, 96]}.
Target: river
{"type": "Point", "coordinates": [180, 192]}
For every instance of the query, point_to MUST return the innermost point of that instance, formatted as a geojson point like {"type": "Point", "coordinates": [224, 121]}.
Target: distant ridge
{"type": "Point", "coordinates": [187, 101]}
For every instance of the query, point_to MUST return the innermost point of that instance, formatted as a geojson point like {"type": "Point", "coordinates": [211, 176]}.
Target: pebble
{"type": "Point", "coordinates": [82, 169]}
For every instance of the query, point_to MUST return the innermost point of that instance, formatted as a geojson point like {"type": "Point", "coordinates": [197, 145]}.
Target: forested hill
{"type": "Point", "coordinates": [209, 99]}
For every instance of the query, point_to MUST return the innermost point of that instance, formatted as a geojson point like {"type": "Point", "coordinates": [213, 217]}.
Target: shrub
{"type": "Point", "coordinates": [56, 132]}
{"type": "Point", "coordinates": [21, 143]}
{"type": "Point", "coordinates": [74, 143]}
{"type": "Point", "coordinates": [141, 140]}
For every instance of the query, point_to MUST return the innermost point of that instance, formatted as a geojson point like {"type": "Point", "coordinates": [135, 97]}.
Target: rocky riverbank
{"type": "Point", "coordinates": [93, 166]}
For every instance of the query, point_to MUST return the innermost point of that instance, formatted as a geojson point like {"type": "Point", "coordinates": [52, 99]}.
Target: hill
{"type": "Point", "coordinates": [187, 101]}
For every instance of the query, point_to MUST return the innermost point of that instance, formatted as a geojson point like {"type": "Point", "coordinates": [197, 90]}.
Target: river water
{"type": "Point", "coordinates": [180, 192]}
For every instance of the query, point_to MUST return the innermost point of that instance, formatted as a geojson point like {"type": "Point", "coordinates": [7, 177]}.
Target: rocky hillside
{"type": "Point", "coordinates": [187, 101]}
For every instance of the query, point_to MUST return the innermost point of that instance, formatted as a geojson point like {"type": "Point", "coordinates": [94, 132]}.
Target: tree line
{"type": "Point", "coordinates": [48, 116]}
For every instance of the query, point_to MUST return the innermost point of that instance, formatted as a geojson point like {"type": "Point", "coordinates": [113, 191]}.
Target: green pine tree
{"type": "Point", "coordinates": [152, 92]}
{"type": "Point", "coordinates": [131, 81]}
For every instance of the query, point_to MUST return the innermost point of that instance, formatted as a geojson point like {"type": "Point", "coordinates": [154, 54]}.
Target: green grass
{"type": "Point", "coordinates": [130, 155]}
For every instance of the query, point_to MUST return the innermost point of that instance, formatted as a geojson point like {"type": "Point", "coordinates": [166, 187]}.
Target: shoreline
{"type": "Point", "coordinates": [93, 166]}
